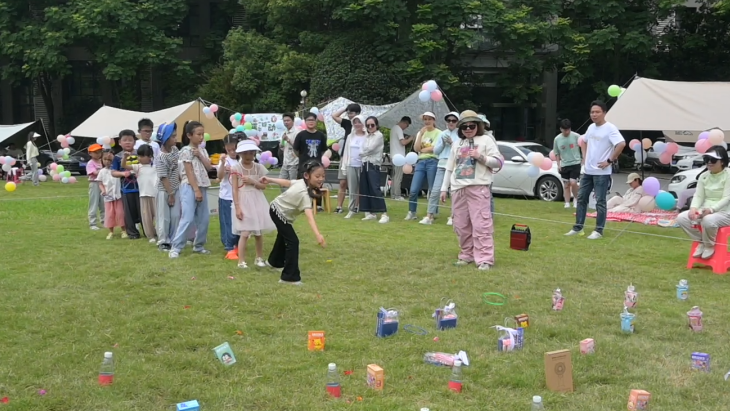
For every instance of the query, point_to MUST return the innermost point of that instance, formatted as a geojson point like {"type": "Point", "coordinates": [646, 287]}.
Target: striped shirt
{"type": "Point", "coordinates": [167, 166]}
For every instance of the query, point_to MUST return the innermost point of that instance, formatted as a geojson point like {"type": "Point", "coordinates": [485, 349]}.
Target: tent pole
{"type": "Point", "coordinates": [641, 144]}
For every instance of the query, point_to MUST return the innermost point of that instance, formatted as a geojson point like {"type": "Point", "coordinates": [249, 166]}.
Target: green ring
{"type": "Point", "coordinates": [485, 298]}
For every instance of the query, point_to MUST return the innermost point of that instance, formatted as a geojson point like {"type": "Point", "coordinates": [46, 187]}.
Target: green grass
{"type": "Point", "coordinates": [68, 295]}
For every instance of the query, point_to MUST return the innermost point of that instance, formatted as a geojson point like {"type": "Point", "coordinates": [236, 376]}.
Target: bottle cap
{"type": "Point", "coordinates": [537, 399]}
{"type": "Point", "coordinates": [332, 366]}
{"type": "Point", "coordinates": [457, 363]}
{"type": "Point", "coordinates": [108, 354]}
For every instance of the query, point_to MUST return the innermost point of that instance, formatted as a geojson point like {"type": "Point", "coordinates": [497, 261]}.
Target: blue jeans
{"type": "Point", "coordinates": [425, 169]}
{"type": "Point", "coordinates": [589, 183]}
{"type": "Point", "coordinates": [435, 195]}
{"type": "Point", "coordinates": [225, 214]}
{"type": "Point", "coordinates": [193, 214]}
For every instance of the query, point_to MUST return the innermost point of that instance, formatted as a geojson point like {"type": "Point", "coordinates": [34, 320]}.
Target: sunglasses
{"type": "Point", "coordinates": [468, 127]}
{"type": "Point", "coordinates": [452, 120]}
{"type": "Point", "coordinates": [711, 160]}
{"type": "Point", "coordinates": [371, 125]}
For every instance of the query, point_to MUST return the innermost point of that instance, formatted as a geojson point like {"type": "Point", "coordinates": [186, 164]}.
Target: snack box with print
{"type": "Point", "coordinates": [376, 377]}
{"type": "Point", "coordinates": [639, 400]}
{"type": "Point", "coordinates": [188, 406]}
{"type": "Point", "coordinates": [701, 361]}
{"type": "Point", "coordinates": [315, 341]}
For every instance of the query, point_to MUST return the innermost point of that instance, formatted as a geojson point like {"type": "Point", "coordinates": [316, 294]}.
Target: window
{"type": "Point", "coordinates": [536, 148]}
{"type": "Point", "coordinates": [507, 152]}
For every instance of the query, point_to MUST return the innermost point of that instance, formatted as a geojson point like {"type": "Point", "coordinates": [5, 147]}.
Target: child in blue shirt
{"type": "Point", "coordinates": [130, 188]}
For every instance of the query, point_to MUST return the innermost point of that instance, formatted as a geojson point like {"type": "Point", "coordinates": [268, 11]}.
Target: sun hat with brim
{"type": "Point", "coordinates": [428, 114]}
{"type": "Point", "coordinates": [246, 145]}
{"type": "Point", "coordinates": [452, 114]}
{"type": "Point", "coordinates": [712, 154]}
{"type": "Point", "coordinates": [95, 147]}
{"type": "Point", "coordinates": [469, 116]}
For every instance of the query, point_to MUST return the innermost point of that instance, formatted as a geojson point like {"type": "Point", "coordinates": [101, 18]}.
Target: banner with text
{"type": "Point", "coordinates": [266, 125]}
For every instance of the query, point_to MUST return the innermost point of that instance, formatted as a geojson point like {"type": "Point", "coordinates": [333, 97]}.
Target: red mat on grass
{"type": "Point", "coordinates": [654, 217]}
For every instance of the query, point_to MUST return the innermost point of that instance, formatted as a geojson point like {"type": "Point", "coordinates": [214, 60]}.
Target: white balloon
{"type": "Point", "coordinates": [399, 160]}
{"type": "Point", "coordinates": [314, 110]}
{"type": "Point", "coordinates": [7, 167]}
{"type": "Point", "coordinates": [431, 86]}
{"type": "Point", "coordinates": [424, 95]}
{"type": "Point", "coordinates": [411, 158]}
{"type": "Point", "coordinates": [280, 125]}
{"type": "Point", "coordinates": [70, 140]}
{"type": "Point", "coordinates": [100, 141]}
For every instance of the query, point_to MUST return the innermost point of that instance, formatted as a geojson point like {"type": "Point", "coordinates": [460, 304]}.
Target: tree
{"type": "Point", "coordinates": [33, 38]}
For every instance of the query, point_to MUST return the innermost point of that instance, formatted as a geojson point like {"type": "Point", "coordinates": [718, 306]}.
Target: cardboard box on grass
{"type": "Point", "coordinates": [376, 377]}
{"type": "Point", "coordinates": [639, 400]}
{"type": "Point", "coordinates": [559, 371]}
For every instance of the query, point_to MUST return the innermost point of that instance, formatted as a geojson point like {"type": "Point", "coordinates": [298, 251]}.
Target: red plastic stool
{"type": "Point", "coordinates": [720, 261]}
{"type": "Point", "coordinates": [14, 175]}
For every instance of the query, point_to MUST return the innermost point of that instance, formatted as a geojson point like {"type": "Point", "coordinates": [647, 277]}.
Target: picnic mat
{"type": "Point", "coordinates": [656, 217]}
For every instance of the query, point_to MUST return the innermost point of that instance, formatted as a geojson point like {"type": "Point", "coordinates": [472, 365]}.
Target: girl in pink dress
{"type": "Point", "coordinates": [250, 208]}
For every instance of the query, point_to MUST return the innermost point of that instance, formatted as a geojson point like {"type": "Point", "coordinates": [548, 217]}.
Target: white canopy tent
{"type": "Point", "coordinates": [109, 121]}
{"type": "Point", "coordinates": [388, 115]}
{"type": "Point", "coordinates": [688, 108]}
{"type": "Point", "coordinates": [6, 132]}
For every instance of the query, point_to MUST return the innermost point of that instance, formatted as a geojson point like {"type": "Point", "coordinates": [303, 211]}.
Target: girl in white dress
{"type": "Point", "coordinates": [250, 208]}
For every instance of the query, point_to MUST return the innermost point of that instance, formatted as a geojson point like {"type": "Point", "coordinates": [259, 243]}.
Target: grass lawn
{"type": "Point", "coordinates": [68, 295]}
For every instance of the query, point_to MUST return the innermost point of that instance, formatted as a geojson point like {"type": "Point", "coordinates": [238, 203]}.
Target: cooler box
{"type": "Point", "coordinates": [213, 200]}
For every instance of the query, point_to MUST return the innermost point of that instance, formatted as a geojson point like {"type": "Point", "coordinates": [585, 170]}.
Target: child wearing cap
{"type": "Point", "coordinates": [168, 195]}
{"type": "Point", "coordinates": [96, 201]}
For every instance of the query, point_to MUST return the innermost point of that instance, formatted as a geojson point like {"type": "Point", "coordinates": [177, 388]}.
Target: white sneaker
{"type": "Point", "coordinates": [411, 216]}
{"type": "Point", "coordinates": [260, 262]}
{"type": "Point", "coordinates": [174, 254]}
{"type": "Point", "coordinates": [291, 282]}
{"type": "Point", "coordinates": [94, 228]}
{"type": "Point", "coordinates": [708, 253]}
{"type": "Point", "coordinates": [266, 263]}
{"type": "Point", "coordinates": [573, 232]}
{"type": "Point", "coordinates": [110, 236]}
{"type": "Point", "coordinates": [595, 236]}
{"type": "Point", "coordinates": [567, 205]}
{"type": "Point", "coordinates": [698, 252]}
{"type": "Point", "coordinates": [384, 219]}
{"type": "Point", "coordinates": [153, 241]}
{"type": "Point", "coordinates": [484, 267]}
{"type": "Point", "coordinates": [369, 216]}
{"type": "Point", "coordinates": [242, 264]}
{"type": "Point", "coordinates": [426, 221]}
{"type": "Point", "coordinates": [398, 198]}
{"type": "Point", "coordinates": [575, 204]}
{"type": "Point", "coordinates": [350, 214]}
{"type": "Point", "coordinates": [189, 242]}
{"type": "Point", "coordinates": [450, 221]}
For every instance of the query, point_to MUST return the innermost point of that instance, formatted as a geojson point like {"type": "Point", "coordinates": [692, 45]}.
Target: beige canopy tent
{"type": "Point", "coordinates": [109, 121]}
{"type": "Point", "coordinates": [684, 108]}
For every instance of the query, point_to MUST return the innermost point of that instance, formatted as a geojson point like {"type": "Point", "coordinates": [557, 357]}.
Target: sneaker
{"type": "Point", "coordinates": [174, 254]}
{"type": "Point", "coordinates": [242, 264]}
{"type": "Point", "coordinates": [450, 221]}
{"type": "Point", "coordinates": [111, 235]}
{"type": "Point", "coordinates": [369, 216]}
{"type": "Point", "coordinates": [232, 255]}
{"type": "Point", "coordinates": [260, 262]}
{"type": "Point", "coordinates": [698, 252]}
{"type": "Point", "coordinates": [201, 251]}
{"type": "Point", "coordinates": [595, 236]}
{"type": "Point", "coordinates": [291, 282]}
{"type": "Point", "coordinates": [709, 252]}
{"type": "Point", "coordinates": [411, 216]}
{"type": "Point", "coordinates": [189, 242]}
{"type": "Point", "coordinates": [384, 219]}
{"type": "Point", "coordinates": [266, 263]}
{"type": "Point", "coordinates": [153, 240]}
{"type": "Point", "coordinates": [350, 214]}
{"type": "Point", "coordinates": [94, 228]}
{"type": "Point", "coordinates": [398, 198]}
{"type": "Point", "coordinates": [567, 205]}
{"type": "Point", "coordinates": [573, 232]}
{"type": "Point", "coordinates": [461, 263]}
{"type": "Point", "coordinates": [426, 221]}
{"type": "Point", "coordinates": [575, 204]}
{"type": "Point", "coordinates": [163, 247]}
{"type": "Point", "coordinates": [320, 209]}
{"type": "Point", "coordinates": [338, 210]}
{"type": "Point", "coordinates": [124, 234]}
{"type": "Point", "coordinates": [484, 267]}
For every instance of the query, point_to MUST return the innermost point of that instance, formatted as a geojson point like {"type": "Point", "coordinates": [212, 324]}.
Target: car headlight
{"type": "Point", "coordinates": [677, 179]}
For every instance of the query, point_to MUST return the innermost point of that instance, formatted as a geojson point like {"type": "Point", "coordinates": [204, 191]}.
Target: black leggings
{"type": "Point", "coordinates": [132, 214]}
{"type": "Point", "coordinates": [285, 253]}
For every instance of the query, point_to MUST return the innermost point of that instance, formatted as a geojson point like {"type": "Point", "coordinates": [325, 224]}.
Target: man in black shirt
{"type": "Point", "coordinates": [310, 143]}
{"type": "Point", "coordinates": [346, 123]}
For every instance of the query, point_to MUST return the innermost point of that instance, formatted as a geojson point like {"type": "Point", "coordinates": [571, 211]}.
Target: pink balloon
{"type": "Point", "coordinates": [325, 161]}
{"type": "Point", "coordinates": [256, 141]}
{"type": "Point", "coordinates": [72, 180]}
{"type": "Point", "coordinates": [56, 177]}
{"type": "Point", "coordinates": [633, 143]}
{"type": "Point", "coordinates": [64, 144]}
{"type": "Point", "coordinates": [320, 117]}
{"type": "Point", "coordinates": [2, 159]}
{"type": "Point", "coordinates": [53, 166]}
{"type": "Point", "coordinates": [702, 145]}
{"type": "Point", "coordinates": [436, 95]}
{"type": "Point", "coordinates": [665, 158]}
{"type": "Point", "coordinates": [672, 148]}
{"type": "Point", "coordinates": [424, 87]}
{"type": "Point", "coordinates": [547, 164]}
{"type": "Point", "coordinates": [232, 118]}
{"type": "Point", "coordinates": [336, 147]}
{"type": "Point", "coordinates": [552, 156]}
{"type": "Point", "coordinates": [214, 108]}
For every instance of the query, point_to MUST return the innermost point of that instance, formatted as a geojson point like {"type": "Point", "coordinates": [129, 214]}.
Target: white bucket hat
{"type": "Point", "coordinates": [246, 145]}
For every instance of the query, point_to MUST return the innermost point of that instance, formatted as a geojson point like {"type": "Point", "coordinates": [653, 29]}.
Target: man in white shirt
{"type": "Point", "coordinates": [604, 145]}
{"type": "Point", "coordinates": [144, 128]}
{"type": "Point", "coordinates": [398, 143]}
{"type": "Point", "coordinates": [290, 162]}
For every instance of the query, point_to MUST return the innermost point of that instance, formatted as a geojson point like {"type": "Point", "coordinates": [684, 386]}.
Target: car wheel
{"type": "Point", "coordinates": [549, 188]}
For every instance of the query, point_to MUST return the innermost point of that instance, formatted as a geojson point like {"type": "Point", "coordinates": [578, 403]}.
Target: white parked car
{"type": "Point", "coordinates": [683, 180]}
{"type": "Point", "coordinates": [687, 161]}
{"type": "Point", "coordinates": [513, 178]}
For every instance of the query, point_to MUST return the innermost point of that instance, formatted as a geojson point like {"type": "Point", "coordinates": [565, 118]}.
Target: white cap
{"type": "Point", "coordinates": [332, 366]}
{"type": "Point", "coordinates": [424, 409]}
{"type": "Point", "coordinates": [428, 114]}
{"type": "Point", "coordinates": [457, 363]}
{"type": "Point", "coordinates": [536, 398]}
{"type": "Point", "coordinates": [108, 354]}
{"type": "Point", "coordinates": [246, 145]}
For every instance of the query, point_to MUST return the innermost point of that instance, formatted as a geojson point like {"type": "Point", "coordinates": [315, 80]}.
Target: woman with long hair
{"type": "Point", "coordinates": [372, 200]}
{"type": "Point", "coordinates": [351, 163]}
{"type": "Point", "coordinates": [31, 156]}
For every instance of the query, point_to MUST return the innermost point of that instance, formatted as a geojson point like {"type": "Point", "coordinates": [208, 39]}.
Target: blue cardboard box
{"type": "Point", "coordinates": [188, 406]}
{"type": "Point", "coordinates": [387, 323]}
{"type": "Point", "coordinates": [701, 361]}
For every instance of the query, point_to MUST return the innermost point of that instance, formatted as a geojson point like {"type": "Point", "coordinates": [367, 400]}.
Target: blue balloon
{"type": "Point", "coordinates": [530, 156]}
{"type": "Point", "coordinates": [411, 158]}
{"type": "Point", "coordinates": [533, 171]}
{"type": "Point", "coordinates": [665, 201]}
{"type": "Point", "coordinates": [240, 128]}
{"type": "Point", "coordinates": [399, 160]}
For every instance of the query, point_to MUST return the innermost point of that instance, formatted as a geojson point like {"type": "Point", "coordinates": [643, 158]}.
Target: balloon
{"type": "Point", "coordinates": [633, 144]}
{"type": "Point", "coordinates": [665, 158]}
{"type": "Point", "coordinates": [59, 169]}
{"type": "Point", "coordinates": [665, 201]}
{"type": "Point", "coordinates": [533, 172]}
{"type": "Point", "coordinates": [530, 156]}
{"type": "Point", "coordinates": [72, 180]}
{"type": "Point", "coordinates": [106, 140]}
{"type": "Point", "coordinates": [298, 122]}
{"type": "Point", "coordinates": [704, 135]}
{"type": "Point", "coordinates": [651, 186]}
{"type": "Point", "coordinates": [70, 140]}
{"type": "Point", "coordinates": [660, 147]}
{"type": "Point", "coordinates": [280, 125]}
{"type": "Point", "coordinates": [202, 144]}
{"type": "Point", "coordinates": [7, 167]}
{"type": "Point", "coordinates": [40, 171]}
{"type": "Point", "coordinates": [60, 153]}
{"type": "Point", "coordinates": [10, 160]}
{"type": "Point", "coordinates": [430, 86]}
{"type": "Point", "coordinates": [238, 116]}
{"type": "Point", "coordinates": [265, 156]}
{"type": "Point", "coordinates": [552, 156]}
{"type": "Point", "coordinates": [64, 180]}
{"type": "Point", "coordinates": [60, 138]}
{"type": "Point", "coordinates": [206, 110]}
{"type": "Point", "coordinates": [56, 177]}
{"type": "Point", "coordinates": [273, 161]}
{"type": "Point", "coordinates": [614, 90]}
{"type": "Point", "coordinates": [247, 126]}
{"type": "Point", "coordinates": [10, 187]}
{"type": "Point", "coordinates": [2, 159]}
{"type": "Point", "coordinates": [214, 108]}
{"type": "Point", "coordinates": [67, 173]}
{"type": "Point", "coordinates": [646, 203]}
{"type": "Point", "coordinates": [209, 115]}
{"type": "Point", "coordinates": [424, 95]}
{"type": "Point", "coordinates": [328, 154]}
{"type": "Point", "coordinates": [716, 137]}
{"type": "Point", "coordinates": [314, 110]}
{"type": "Point", "coordinates": [702, 145]}
{"type": "Point", "coordinates": [54, 166]}
{"type": "Point", "coordinates": [537, 159]}
{"type": "Point", "coordinates": [64, 144]}
{"type": "Point", "coordinates": [411, 158]}
{"type": "Point", "coordinates": [42, 178]}
{"type": "Point", "coordinates": [325, 161]}
{"type": "Point", "coordinates": [646, 143]}
{"type": "Point", "coordinates": [206, 137]}
{"type": "Point", "coordinates": [407, 169]}
{"type": "Point", "coordinates": [232, 131]}
{"type": "Point", "coordinates": [336, 147]}
{"type": "Point", "coordinates": [399, 160]}
{"type": "Point", "coordinates": [547, 164]}
{"type": "Point", "coordinates": [672, 148]}
{"type": "Point", "coordinates": [256, 141]}
{"type": "Point", "coordinates": [99, 141]}
{"type": "Point", "coordinates": [239, 128]}
{"type": "Point", "coordinates": [320, 117]}
{"type": "Point", "coordinates": [437, 95]}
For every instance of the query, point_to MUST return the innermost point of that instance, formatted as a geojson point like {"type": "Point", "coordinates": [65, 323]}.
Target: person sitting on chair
{"type": "Point", "coordinates": [629, 203]}
{"type": "Point", "coordinates": [710, 206]}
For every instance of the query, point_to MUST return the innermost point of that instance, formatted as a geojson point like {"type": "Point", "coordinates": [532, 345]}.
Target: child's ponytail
{"type": "Point", "coordinates": [311, 165]}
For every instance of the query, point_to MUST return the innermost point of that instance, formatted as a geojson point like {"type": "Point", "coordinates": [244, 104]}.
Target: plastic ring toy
{"type": "Point", "coordinates": [414, 329]}
{"type": "Point", "coordinates": [486, 297]}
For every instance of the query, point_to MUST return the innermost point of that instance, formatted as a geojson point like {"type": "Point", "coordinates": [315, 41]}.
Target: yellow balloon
{"type": "Point", "coordinates": [10, 186]}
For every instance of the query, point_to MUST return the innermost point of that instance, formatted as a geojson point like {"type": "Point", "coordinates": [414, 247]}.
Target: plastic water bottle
{"type": "Point", "coordinates": [106, 373]}
{"type": "Point", "coordinates": [682, 290]}
{"type": "Point", "coordinates": [537, 403]}
{"type": "Point", "coordinates": [455, 382]}
{"type": "Point", "coordinates": [333, 381]}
